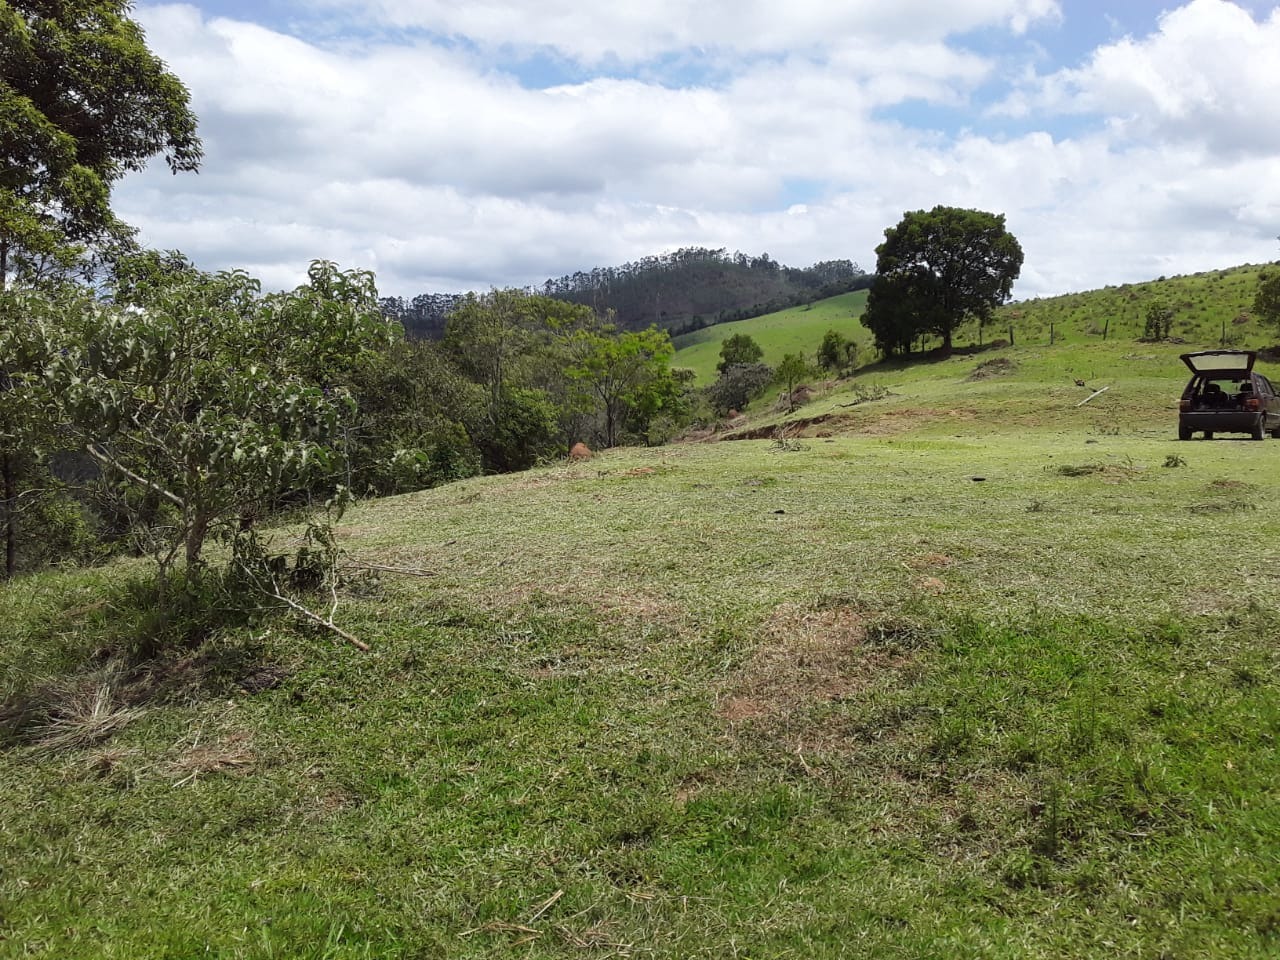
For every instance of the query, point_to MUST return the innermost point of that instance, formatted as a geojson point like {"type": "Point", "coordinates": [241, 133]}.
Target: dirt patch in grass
{"type": "Point", "coordinates": [893, 422]}
{"type": "Point", "coordinates": [791, 428]}
{"type": "Point", "coordinates": [994, 367]}
{"type": "Point", "coordinates": [807, 656]}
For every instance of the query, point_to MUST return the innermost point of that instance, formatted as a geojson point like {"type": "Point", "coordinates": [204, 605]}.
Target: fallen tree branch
{"type": "Point", "coordinates": [321, 621]}
{"type": "Point", "coordinates": [403, 571]}
{"type": "Point", "coordinates": [1092, 395]}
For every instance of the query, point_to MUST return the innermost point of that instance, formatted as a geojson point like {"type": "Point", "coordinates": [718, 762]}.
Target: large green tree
{"type": "Point", "coordinates": [737, 349]}
{"type": "Point", "coordinates": [624, 373]}
{"type": "Point", "coordinates": [936, 269]}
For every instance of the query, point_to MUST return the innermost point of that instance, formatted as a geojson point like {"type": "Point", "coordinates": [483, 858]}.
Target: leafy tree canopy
{"type": "Point", "coordinates": [837, 352]}
{"type": "Point", "coordinates": [935, 269]}
{"type": "Point", "coordinates": [82, 103]}
{"type": "Point", "coordinates": [739, 349]}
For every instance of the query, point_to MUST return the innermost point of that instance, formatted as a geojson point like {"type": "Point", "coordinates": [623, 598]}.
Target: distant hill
{"type": "Point", "coordinates": [689, 289]}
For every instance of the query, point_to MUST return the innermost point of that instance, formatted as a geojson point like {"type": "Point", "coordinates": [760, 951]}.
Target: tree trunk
{"type": "Point", "coordinates": [9, 469]}
{"type": "Point", "coordinates": [196, 534]}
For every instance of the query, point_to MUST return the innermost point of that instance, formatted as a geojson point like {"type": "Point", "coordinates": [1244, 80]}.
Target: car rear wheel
{"type": "Point", "coordinates": [1258, 433]}
{"type": "Point", "coordinates": [1184, 432]}
{"type": "Point", "coordinates": [1208, 434]}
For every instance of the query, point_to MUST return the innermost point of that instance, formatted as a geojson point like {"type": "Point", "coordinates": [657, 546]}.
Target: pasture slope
{"type": "Point", "coordinates": [970, 670]}
{"type": "Point", "coordinates": [795, 330]}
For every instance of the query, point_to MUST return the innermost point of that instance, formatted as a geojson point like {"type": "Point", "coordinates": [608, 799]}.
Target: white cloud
{"type": "Point", "coordinates": [632, 32]}
{"type": "Point", "coordinates": [431, 166]}
{"type": "Point", "coordinates": [1210, 74]}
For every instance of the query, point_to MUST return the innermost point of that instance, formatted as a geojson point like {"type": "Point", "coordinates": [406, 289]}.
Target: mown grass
{"type": "Point", "coordinates": [930, 686]}
{"type": "Point", "coordinates": [796, 330]}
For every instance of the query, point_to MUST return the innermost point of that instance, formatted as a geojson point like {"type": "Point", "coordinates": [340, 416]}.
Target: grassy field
{"type": "Point", "coordinates": [798, 330]}
{"type": "Point", "coordinates": [971, 670]}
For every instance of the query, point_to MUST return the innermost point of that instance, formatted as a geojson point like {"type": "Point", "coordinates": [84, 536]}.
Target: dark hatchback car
{"type": "Point", "coordinates": [1226, 395]}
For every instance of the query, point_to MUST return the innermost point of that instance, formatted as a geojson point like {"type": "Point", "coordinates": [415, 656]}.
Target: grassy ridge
{"type": "Point", "coordinates": [829, 699]}
{"type": "Point", "coordinates": [1204, 304]}
{"type": "Point", "coordinates": [1208, 308]}
{"type": "Point", "coordinates": [797, 330]}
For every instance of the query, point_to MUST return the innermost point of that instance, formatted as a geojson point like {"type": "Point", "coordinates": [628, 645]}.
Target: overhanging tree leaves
{"type": "Point", "coordinates": [935, 269]}
{"type": "Point", "coordinates": [82, 103]}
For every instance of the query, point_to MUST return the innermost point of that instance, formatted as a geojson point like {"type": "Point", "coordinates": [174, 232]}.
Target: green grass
{"type": "Point", "coordinates": [1205, 306]}
{"type": "Point", "coordinates": [981, 673]}
{"type": "Point", "coordinates": [1210, 309]}
{"type": "Point", "coordinates": [797, 330]}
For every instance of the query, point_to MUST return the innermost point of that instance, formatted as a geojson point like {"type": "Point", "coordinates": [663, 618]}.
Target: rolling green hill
{"type": "Point", "coordinates": [971, 669]}
{"type": "Point", "coordinates": [797, 330]}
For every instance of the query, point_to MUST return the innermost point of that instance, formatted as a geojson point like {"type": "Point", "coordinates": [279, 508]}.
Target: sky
{"type": "Point", "coordinates": [452, 146]}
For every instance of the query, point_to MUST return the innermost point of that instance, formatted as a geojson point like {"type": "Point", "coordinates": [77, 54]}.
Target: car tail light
{"type": "Point", "coordinates": [1252, 404]}
{"type": "Point", "coordinates": [1184, 405]}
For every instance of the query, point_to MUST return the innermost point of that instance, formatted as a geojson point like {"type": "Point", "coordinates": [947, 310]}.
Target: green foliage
{"type": "Point", "coordinates": [694, 287]}
{"type": "Point", "coordinates": [738, 349]}
{"type": "Point", "coordinates": [408, 432]}
{"type": "Point", "coordinates": [1158, 320]}
{"type": "Point", "coordinates": [738, 385]}
{"type": "Point", "coordinates": [793, 369]}
{"type": "Point", "coordinates": [837, 352]}
{"type": "Point", "coordinates": [788, 331]}
{"type": "Point", "coordinates": [82, 103]}
{"type": "Point", "coordinates": [1266, 302]}
{"type": "Point", "coordinates": [200, 390]}
{"type": "Point", "coordinates": [526, 432]}
{"type": "Point", "coordinates": [628, 375]}
{"type": "Point", "coordinates": [934, 269]}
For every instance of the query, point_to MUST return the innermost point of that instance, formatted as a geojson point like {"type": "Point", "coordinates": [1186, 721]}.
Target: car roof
{"type": "Point", "coordinates": [1220, 361]}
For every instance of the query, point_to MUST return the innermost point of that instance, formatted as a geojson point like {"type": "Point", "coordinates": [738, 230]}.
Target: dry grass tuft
{"type": "Point", "coordinates": [231, 754]}
{"type": "Point", "coordinates": [83, 714]}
